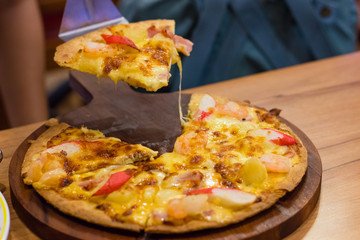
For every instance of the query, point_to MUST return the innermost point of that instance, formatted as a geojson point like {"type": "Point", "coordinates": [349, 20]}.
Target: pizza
{"type": "Point", "coordinates": [231, 161]}
{"type": "Point", "coordinates": [140, 53]}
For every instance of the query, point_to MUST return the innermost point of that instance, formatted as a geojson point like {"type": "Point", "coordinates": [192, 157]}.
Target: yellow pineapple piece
{"type": "Point", "coordinates": [253, 172]}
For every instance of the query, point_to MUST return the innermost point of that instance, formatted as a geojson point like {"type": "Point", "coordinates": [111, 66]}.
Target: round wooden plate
{"type": "Point", "coordinates": [152, 120]}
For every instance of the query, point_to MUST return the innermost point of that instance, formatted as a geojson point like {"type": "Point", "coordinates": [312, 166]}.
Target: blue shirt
{"type": "Point", "coordinates": [234, 38]}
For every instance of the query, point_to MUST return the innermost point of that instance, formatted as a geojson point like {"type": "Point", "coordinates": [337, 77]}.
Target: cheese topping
{"type": "Point", "coordinates": [227, 158]}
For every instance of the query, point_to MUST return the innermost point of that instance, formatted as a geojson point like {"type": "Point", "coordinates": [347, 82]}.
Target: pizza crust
{"type": "Point", "coordinates": [66, 54]}
{"type": "Point", "coordinates": [84, 210]}
{"type": "Point", "coordinates": [297, 172]}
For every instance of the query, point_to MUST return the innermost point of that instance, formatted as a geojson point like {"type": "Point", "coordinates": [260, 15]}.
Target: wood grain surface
{"type": "Point", "coordinates": [322, 98]}
{"type": "Point", "coordinates": [152, 120]}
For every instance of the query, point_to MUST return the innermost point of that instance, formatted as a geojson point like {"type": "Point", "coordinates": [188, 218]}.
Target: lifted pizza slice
{"type": "Point", "coordinates": [140, 53]}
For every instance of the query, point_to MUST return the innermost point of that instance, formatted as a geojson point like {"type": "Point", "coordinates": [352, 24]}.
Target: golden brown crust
{"type": "Point", "coordinates": [297, 172]}
{"type": "Point", "coordinates": [85, 210]}
{"type": "Point", "coordinates": [66, 53]}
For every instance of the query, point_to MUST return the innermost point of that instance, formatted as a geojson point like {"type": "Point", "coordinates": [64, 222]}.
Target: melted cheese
{"type": "Point", "coordinates": [218, 152]}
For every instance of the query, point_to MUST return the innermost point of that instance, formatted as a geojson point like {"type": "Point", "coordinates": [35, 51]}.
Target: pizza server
{"type": "Point", "coordinates": [83, 16]}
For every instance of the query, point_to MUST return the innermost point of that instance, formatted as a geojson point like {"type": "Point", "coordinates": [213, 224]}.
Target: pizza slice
{"type": "Point", "coordinates": [140, 53]}
{"type": "Point", "coordinates": [85, 174]}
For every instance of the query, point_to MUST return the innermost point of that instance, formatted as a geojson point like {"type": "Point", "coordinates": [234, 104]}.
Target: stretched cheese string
{"type": "Point", "coordinates": [182, 118]}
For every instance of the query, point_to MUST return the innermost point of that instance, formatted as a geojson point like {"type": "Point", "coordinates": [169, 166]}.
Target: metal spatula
{"type": "Point", "coordinates": [83, 16]}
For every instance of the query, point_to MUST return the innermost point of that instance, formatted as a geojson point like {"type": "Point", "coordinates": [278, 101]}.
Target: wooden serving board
{"type": "Point", "coordinates": [151, 120]}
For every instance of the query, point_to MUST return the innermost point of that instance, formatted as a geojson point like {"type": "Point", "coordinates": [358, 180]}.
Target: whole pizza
{"type": "Point", "coordinates": [231, 161]}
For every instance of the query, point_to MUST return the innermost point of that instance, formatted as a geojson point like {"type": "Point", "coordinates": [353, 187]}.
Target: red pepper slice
{"type": "Point", "coordinates": [115, 181]}
{"type": "Point", "coordinates": [283, 140]}
{"type": "Point", "coordinates": [117, 39]}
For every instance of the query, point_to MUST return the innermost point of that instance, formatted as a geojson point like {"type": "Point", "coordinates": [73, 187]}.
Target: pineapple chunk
{"type": "Point", "coordinates": [253, 172]}
{"type": "Point", "coordinates": [124, 198]}
{"type": "Point", "coordinates": [231, 198]}
{"type": "Point", "coordinates": [163, 196]}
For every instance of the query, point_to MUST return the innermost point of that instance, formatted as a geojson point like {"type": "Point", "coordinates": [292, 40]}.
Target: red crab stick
{"type": "Point", "coordinates": [115, 181]}
{"type": "Point", "coordinates": [206, 107]}
{"type": "Point", "coordinates": [201, 191]}
{"type": "Point", "coordinates": [117, 39]}
{"type": "Point", "coordinates": [280, 138]}
{"type": "Point", "coordinates": [227, 197]}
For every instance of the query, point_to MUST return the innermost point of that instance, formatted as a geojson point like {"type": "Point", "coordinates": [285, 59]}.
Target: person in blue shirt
{"type": "Point", "coordinates": [234, 38]}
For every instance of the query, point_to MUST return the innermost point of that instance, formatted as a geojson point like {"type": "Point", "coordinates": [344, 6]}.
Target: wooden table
{"type": "Point", "coordinates": [322, 99]}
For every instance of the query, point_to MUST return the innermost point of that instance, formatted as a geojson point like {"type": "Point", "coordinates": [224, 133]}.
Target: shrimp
{"type": "Point", "coordinates": [94, 47]}
{"type": "Point", "coordinates": [175, 209]}
{"type": "Point", "coordinates": [50, 160]}
{"type": "Point", "coordinates": [275, 163]}
{"type": "Point", "coordinates": [182, 207]}
{"type": "Point", "coordinates": [208, 106]}
{"type": "Point", "coordinates": [45, 162]}
{"type": "Point", "coordinates": [53, 177]}
{"type": "Point", "coordinates": [190, 141]}
{"type": "Point", "coordinates": [35, 171]}
{"type": "Point", "coordinates": [232, 109]}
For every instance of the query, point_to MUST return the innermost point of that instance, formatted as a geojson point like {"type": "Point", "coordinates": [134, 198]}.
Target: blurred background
{"type": "Point", "coordinates": [29, 18]}
{"type": "Point", "coordinates": [52, 11]}
{"type": "Point", "coordinates": [61, 98]}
